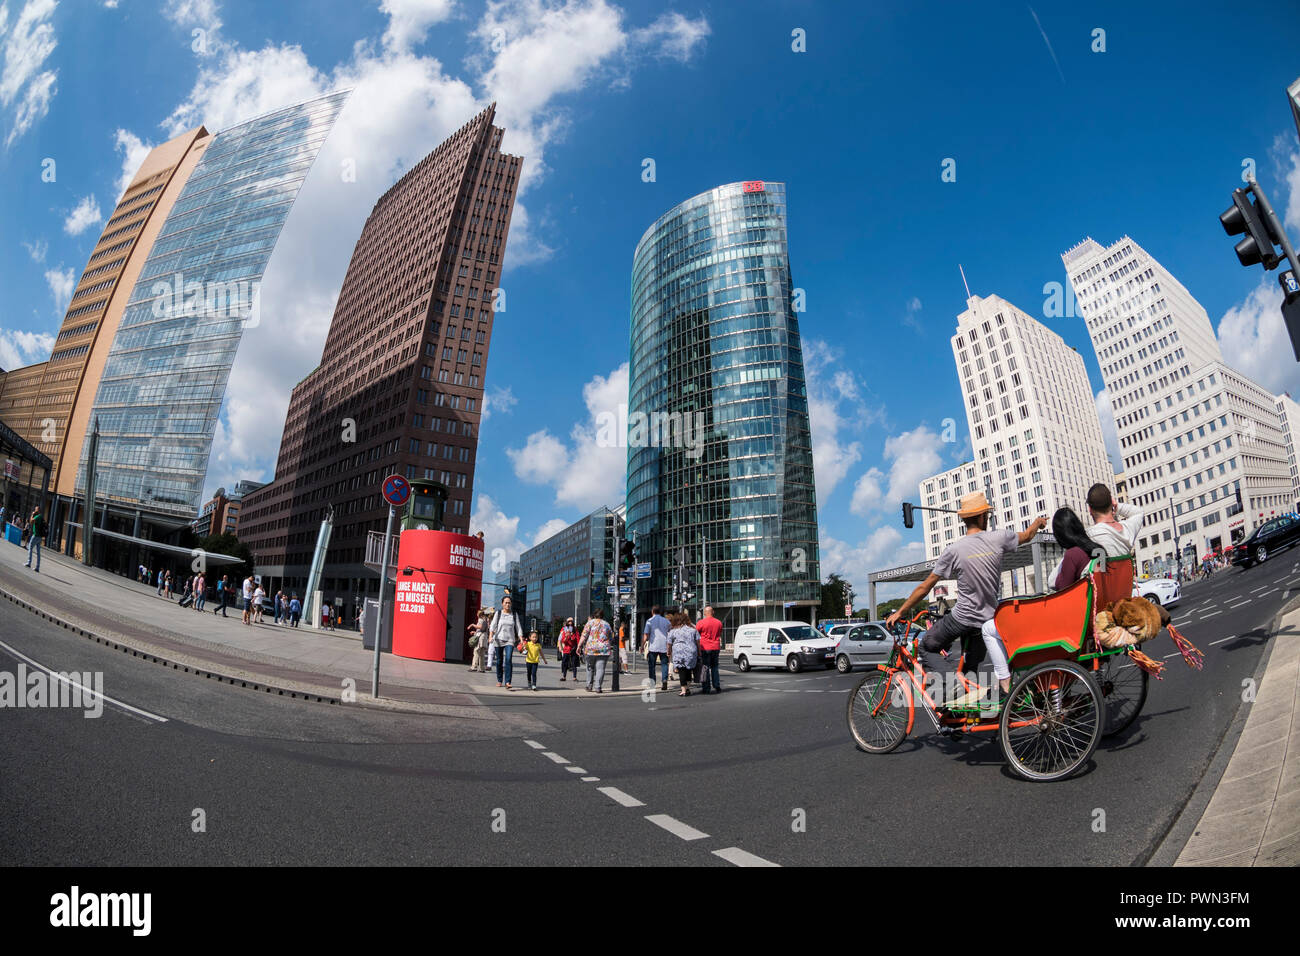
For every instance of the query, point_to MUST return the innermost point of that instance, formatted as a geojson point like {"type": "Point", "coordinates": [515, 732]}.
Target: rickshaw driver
{"type": "Point", "coordinates": [975, 560]}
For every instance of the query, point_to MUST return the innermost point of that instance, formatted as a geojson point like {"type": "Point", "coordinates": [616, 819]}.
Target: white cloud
{"type": "Point", "coordinates": [501, 538]}
{"type": "Point", "coordinates": [37, 250]}
{"type": "Point", "coordinates": [26, 47]}
{"type": "Point", "coordinates": [673, 36]}
{"type": "Point", "coordinates": [409, 20]}
{"type": "Point", "coordinates": [586, 473]}
{"type": "Point", "coordinates": [18, 349]}
{"type": "Point", "coordinates": [883, 547]}
{"type": "Point", "coordinates": [835, 405]}
{"type": "Point", "coordinates": [191, 14]}
{"type": "Point", "coordinates": [497, 401]}
{"type": "Point", "coordinates": [133, 150]}
{"type": "Point", "coordinates": [1108, 431]}
{"type": "Point", "coordinates": [912, 456]}
{"type": "Point", "coordinates": [61, 282]}
{"type": "Point", "coordinates": [554, 526]}
{"type": "Point", "coordinates": [911, 312]}
{"type": "Point", "coordinates": [85, 215]}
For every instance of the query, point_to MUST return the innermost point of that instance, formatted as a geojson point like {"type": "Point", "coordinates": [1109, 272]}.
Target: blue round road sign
{"type": "Point", "coordinates": [396, 490]}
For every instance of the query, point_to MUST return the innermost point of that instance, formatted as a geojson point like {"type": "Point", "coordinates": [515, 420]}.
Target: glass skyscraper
{"type": "Point", "coordinates": [720, 470]}
{"type": "Point", "coordinates": [165, 376]}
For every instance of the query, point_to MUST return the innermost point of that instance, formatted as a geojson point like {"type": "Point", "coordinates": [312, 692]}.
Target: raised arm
{"type": "Point", "coordinates": [914, 598]}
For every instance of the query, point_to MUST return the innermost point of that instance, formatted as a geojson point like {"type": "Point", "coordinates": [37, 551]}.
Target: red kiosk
{"type": "Point", "coordinates": [439, 583]}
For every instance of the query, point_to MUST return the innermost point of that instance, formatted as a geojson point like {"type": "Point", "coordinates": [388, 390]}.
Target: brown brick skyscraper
{"type": "Point", "coordinates": [399, 388]}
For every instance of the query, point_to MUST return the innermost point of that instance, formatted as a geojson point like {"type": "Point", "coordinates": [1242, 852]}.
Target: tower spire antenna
{"type": "Point", "coordinates": [963, 280]}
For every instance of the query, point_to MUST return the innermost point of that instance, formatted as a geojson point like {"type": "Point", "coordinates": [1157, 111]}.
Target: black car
{"type": "Point", "coordinates": [1272, 536]}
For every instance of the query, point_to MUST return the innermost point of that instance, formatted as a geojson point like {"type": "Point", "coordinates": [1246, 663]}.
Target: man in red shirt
{"type": "Point", "coordinates": [710, 630]}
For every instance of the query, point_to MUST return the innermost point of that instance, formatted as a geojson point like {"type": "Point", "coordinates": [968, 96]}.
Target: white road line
{"type": "Point", "coordinates": [84, 689]}
{"type": "Point", "coordinates": [1220, 641]}
{"type": "Point", "coordinates": [676, 827]}
{"type": "Point", "coordinates": [1242, 604]}
{"type": "Point", "coordinates": [1269, 591]}
{"type": "Point", "coordinates": [556, 757]}
{"type": "Point", "coordinates": [738, 857]}
{"type": "Point", "coordinates": [618, 796]}
{"type": "Point", "coordinates": [575, 769]}
{"type": "Point", "coordinates": [535, 745]}
{"type": "Point", "coordinates": [590, 779]}
{"type": "Point", "coordinates": [1183, 620]}
{"type": "Point", "coordinates": [1279, 580]}
{"type": "Point", "coordinates": [1211, 614]}
{"type": "Point", "coordinates": [1174, 654]}
{"type": "Point", "coordinates": [1260, 588]}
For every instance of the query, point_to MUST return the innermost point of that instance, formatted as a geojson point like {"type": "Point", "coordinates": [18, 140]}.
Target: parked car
{"type": "Point", "coordinates": [1158, 591]}
{"type": "Point", "coordinates": [793, 645]}
{"type": "Point", "coordinates": [865, 644]}
{"type": "Point", "coordinates": [1272, 536]}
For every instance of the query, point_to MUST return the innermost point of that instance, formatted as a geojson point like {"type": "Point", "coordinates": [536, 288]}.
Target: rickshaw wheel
{"type": "Point", "coordinates": [1124, 688]}
{"type": "Point", "coordinates": [1052, 721]}
{"type": "Point", "coordinates": [879, 730]}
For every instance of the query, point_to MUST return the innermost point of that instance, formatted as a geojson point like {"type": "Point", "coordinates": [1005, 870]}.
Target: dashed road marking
{"type": "Point", "coordinates": [1279, 580]}
{"type": "Point", "coordinates": [1220, 641]}
{"type": "Point", "coordinates": [1210, 614]}
{"type": "Point", "coordinates": [553, 756]}
{"type": "Point", "coordinates": [590, 779]}
{"type": "Point", "coordinates": [1269, 591]}
{"type": "Point", "coordinates": [535, 745]}
{"type": "Point", "coordinates": [1242, 604]}
{"type": "Point", "coordinates": [1260, 588]}
{"type": "Point", "coordinates": [676, 827]}
{"type": "Point", "coordinates": [573, 769]}
{"type": "Point", "coordinates": [738, 857]}
{"type": "Point", "coordinates": [618, 796]}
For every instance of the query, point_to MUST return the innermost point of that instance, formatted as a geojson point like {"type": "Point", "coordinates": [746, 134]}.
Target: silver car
{"type": "Point", "coordinates": [865, 644]}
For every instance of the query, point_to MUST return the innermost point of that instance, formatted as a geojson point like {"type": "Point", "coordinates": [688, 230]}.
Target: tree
{"type": "Point", "coordinates": [835, 594]}
{"type": "Point", "coordinates": [886, 608]}
{"type": "Point", "coordinates": [227, 543]}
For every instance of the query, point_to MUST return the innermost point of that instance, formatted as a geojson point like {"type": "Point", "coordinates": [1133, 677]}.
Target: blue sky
{"type": "Point", "coordinates": [1051, 142]}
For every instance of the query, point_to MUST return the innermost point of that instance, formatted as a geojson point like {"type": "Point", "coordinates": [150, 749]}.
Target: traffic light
{"type": "Point", "coordinates": [907, 514]}
{"type": "Point", "coordinates": [1258, 242]}
{"type": "Point", "coordinates": [626, 555]}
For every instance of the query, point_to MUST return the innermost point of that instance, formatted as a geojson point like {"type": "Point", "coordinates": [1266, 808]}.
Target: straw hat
{"type": "Point", "coordinates": [973, 505]}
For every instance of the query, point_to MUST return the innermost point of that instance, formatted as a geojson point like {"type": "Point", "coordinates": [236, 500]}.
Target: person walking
{"type": "Point", "coordinates": [277, 604]}
{"type": "Point", "coordinates": [168, 589]}
{"type": "Point", "coordinates": [533, 654]}
{"type": "Point", "coordinates": [478, 638]}
{"type": "Point", "coordinates": [223, 595]}
{"type": "Point", "coordinates": [247, 594]}
{"type": "Point", "coordinates": [162, 581]}
{"type": "Point", "coordinates": [656, 634]}
{"type": "Point", "coordinates": [37, 526]}
{"type": "Point", "coordinates": [259, 595]}
{"type": "Point", "coordinates": [505, 631]}
{"type": "Point", "coordinates": [596, 646]}
{"type": "Point", "coordinates": [685, 641]}
{"type": "Point", "coordinates": [295, 610]}
{"type": "Point", "coordinates": [200, 592]}
{"type": "Point", "coordinates": [568, 647]}
{"type": "Point", "coordinates": [710, 630]}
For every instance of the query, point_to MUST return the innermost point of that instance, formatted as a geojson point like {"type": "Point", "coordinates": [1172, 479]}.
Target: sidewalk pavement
{"type": "Point", "coordinates": [1253, 817]}
{"type": "Point", "coordinates": [128, 612]}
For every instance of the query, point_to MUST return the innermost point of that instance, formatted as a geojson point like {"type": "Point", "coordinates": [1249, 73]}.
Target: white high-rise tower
{"type": "Point", "coordinates": [1034, 430]}
{"type": "Point", "coordinates": [1196, 436]}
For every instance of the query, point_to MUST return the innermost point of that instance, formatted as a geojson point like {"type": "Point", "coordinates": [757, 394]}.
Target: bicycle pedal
{"type": "Point", "coordinates": [951, 731]}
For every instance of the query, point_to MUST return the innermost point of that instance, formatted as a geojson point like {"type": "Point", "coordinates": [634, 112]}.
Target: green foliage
{"type": "Point", "coordinates": [835, 594]}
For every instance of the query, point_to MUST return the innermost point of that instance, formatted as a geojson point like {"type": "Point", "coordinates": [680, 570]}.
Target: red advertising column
{"type": "Point", "coordinates": [439, 580]}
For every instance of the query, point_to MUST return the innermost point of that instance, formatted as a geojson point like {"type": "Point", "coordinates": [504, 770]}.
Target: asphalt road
{"type": "Point", "coordinates": [764, 772]}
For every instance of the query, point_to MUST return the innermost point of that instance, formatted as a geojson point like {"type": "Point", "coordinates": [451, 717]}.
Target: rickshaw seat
{"type": "Point", "coordinates": [1058, 625]}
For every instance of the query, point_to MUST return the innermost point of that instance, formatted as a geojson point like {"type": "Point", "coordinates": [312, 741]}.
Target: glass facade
{"type": "Point", "coordinates": [165, 376]}
{"type": "Point", "coordinates": [720, 469]}
{"type": "Point", "coordinates": [561, 575]}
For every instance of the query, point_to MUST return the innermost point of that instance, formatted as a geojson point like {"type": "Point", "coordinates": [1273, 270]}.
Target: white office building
{"type": "Point", "coordinates": [1033, 423]}
{"type": "Point", "coordinates": [1289, 412]}
{"type": "Point", "coordinates": [1193, 432]}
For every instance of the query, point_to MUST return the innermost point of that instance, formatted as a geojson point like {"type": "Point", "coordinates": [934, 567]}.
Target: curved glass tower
{"type": "Point", "coordinates": [719, 467]}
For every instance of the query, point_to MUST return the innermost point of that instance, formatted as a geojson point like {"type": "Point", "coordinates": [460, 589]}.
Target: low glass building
{"type": "Point", "coordinates": [165, 376]}
{"type": "Point", "coordinates": [567, 575]}
{"type": "Point", "coordinates": [720, 469]}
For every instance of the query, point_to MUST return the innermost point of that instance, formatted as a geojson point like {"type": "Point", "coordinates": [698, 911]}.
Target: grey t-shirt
{"type": "Point", "coordinates": [975, 560]}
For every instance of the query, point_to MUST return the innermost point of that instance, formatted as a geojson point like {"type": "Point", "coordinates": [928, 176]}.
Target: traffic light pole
{"type": "Point", "coordinates": [1275, 227]}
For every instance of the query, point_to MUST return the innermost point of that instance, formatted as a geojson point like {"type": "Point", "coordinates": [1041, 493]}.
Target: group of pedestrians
{"type": "Point", "coordinates": [690, 647]}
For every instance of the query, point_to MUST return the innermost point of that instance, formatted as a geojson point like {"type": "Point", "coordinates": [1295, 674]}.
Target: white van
{"type": "Point", "coordinates": [793, 645]}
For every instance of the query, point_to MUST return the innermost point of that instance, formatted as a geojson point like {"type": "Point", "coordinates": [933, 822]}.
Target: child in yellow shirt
{"type": "Point", "coordinates": [533, 649]}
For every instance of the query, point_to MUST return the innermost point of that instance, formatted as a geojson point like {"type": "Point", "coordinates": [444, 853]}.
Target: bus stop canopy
{"type": "Point", "coordinates": [1040, 555]}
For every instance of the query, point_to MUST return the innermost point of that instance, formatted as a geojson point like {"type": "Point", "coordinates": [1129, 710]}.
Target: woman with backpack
{"type": "Point", "coordinates": [505, 631]}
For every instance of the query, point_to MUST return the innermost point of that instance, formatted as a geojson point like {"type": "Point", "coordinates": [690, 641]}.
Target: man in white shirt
{"type": "Point", "coordinates": [1115, 525]}
{"type": "Point", "coordinates": [248, 599]}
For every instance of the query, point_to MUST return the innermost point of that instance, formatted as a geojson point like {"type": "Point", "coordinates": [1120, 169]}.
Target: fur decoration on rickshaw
{"type": "Point", "coordinates": [1130, 621]}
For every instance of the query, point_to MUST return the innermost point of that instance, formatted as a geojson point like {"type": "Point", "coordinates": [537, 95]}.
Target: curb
{"type": "Point", "coordinates": [246, 682]}
{"type": "Point", "coordinates": [1175, 838]}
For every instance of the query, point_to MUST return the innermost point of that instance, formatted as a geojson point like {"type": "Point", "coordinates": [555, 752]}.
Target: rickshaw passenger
{"type": "Point", "coordinates": [1116, 524]}
{"type": "Point", "coordinates": [1073, 537]}
{"type": "Point", "coordinates": [975, 560]}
